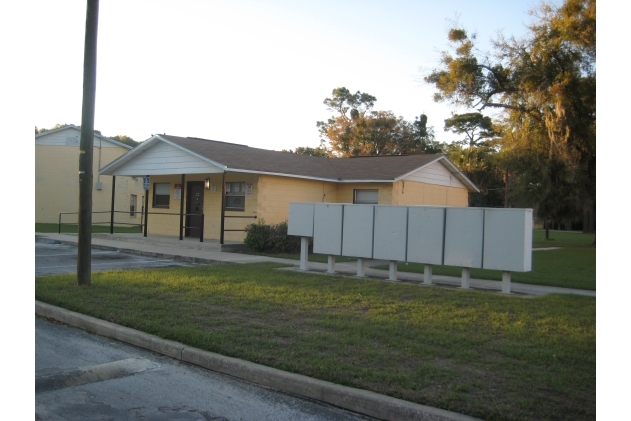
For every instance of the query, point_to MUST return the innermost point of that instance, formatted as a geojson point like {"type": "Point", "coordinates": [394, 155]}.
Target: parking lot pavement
{"type": "Point", "coordinates": [53, 257]}
{"type": "Point", "coordinates": [79, 376]}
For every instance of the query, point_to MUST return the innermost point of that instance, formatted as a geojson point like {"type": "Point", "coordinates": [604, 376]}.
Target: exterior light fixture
{"type": "Point", "coordinates": [207, 184]}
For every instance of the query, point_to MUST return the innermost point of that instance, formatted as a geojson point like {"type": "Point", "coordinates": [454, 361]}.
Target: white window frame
{"type": "Point", "coordinates": [162, 194]}
{"type": "Point", "coordinates": [364, 201]}
{"type": "Point", "coordinates": [235, 191]}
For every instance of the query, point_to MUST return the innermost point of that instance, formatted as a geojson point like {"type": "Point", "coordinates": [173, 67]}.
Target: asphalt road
{"type": "Point", "coordinates": [79, 376]}
{"type": "Point", "coordinates": [54, 257]}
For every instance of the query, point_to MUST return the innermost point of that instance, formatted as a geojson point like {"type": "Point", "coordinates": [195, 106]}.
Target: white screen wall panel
{"type": "Point", "coordinates": [508, 239]}
{"type": "Point", "coordinates": [357, 231]}
{"type": "Point", "coordinates": [425, 234]}
{"type": "Point", "coordinates": [327, 229]}
{"type": "Point", "coordinates": [300, 219]}
{"type": "Point", "coordinates": [464, 237]}
{"type": "Point", "coordinates": [389, 241]}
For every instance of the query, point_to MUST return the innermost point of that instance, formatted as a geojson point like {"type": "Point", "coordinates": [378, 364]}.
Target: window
{"type": "Point", "coordinates": [132, 205]}
{"type": "Point", "coordinates": [161, 195]}
{"type": "Point", "coordinates": [367, 197]}
{"type": "Point", "coordinates": [235, 196]}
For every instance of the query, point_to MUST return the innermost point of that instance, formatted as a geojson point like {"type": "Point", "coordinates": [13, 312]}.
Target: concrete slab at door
{"type": "Point", "coordinates": [357, 231]}
{"type": "Point", "coordinates": [300, 219]}
{"type": "Point", "coordinates": [390, 233]}
{"type": "Point", "coordinates": [464, 231]}
{"type": "Point", "coordinates": [327, 227]}
{"type": "Point", "coordinates": [426, 230]}
{"type": "Point", "coordinates": [508, 239]}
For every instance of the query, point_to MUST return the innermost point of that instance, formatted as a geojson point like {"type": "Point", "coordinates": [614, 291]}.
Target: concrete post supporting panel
{"type": "Point", "coordinates": [466, 275]}
{"type": "Point", "coordinates": [427, 275]}
{"type": "Point", "coordinates": [304, 252]}
{"type": "Point", "coordinates": [331, 265]}
{"type": "Point", "coordinates": [361, 267]}
{"type": "Point", "coordinates": [393, 271]}
{"type": "Point", "coordinates": [506, 282]}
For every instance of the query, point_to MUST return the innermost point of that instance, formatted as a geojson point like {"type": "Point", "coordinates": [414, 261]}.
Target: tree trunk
{"type": "Point", "coordinates": [546, 224]}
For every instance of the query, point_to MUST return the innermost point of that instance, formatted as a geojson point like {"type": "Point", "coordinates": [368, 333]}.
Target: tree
{"type": "Point", "coordinates": [476, 156]}
{"type": "Point", "coordinates": [55, 127]}
{"type": "Point", "coordinates": [307, 150]}
{"type": "Point", "coordinates": [474, 126]}
{"type": "Point", "coordinates": [357, 129]}
{"type": "Point", "coordinates": [126, 140]}
{"type": "Point", "coordinates": [545, 86]}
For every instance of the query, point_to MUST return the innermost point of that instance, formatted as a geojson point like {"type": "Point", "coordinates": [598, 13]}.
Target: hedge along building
{"type": "Point", "coordinates": [233, 184]}
{"type": "Point", "coordinates": [57, 179]}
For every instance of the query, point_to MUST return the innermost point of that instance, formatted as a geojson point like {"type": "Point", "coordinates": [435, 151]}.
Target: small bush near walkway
{"type": "Point", "coordinates": [271, 238]}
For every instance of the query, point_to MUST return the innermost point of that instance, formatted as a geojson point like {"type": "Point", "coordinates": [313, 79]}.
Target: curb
{"type": "Point", "coordinates": [361, 401]}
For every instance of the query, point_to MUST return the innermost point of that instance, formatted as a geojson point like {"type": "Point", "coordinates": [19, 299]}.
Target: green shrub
{"type": "Point", "coordinates": [271, 238]}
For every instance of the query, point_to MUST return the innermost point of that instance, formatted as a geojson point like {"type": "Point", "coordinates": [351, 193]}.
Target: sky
{"type": "Point", "coordinates": [251, 72]}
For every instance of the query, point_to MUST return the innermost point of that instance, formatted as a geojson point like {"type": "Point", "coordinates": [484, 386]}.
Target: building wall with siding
{"type": "Point", "coordinates": [57, 180]}
{"type": "Point", "coordinates": [168, 224]}
{"type": "Point", "coordinates": [415, 193]}
{"type": "Point", "coordinates": [345, 191]}
{"type": "Point", "coordinates": [276, 193]}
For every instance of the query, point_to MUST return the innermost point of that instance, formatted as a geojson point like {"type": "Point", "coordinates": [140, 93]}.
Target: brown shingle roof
{"type": "Point", "coordinates": [242, 157]}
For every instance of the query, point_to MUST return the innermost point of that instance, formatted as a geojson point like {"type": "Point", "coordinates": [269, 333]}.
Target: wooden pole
{"type": "Point", "coordinates": [84, 262]}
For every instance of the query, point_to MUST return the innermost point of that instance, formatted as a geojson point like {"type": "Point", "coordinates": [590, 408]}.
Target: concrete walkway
{"type": "Point", "coordinates": [208, 252]}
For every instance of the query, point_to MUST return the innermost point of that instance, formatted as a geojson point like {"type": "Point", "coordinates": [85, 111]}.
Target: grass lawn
{"type": "Point", "coordinates": [572, 266]}
{"type": "Point", "coordinates": [73, 229]}
{"type": "Point", "coordinates": [487, 355]}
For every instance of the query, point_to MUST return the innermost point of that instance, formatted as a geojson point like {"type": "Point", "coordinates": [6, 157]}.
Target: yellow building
{"type": "Point", "coordinates": [57, 179]}
{"type": "Point", "coordinates": [187, 178]}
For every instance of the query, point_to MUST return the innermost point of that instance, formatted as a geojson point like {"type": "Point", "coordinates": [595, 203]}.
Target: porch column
{"type": "Point", "coordinates": [112, 211]}
{"type": "Point", "coordinates": [223, 206]}
{"type": "Point", "coordinates": [182, 208]}
{"type": "Point", "coordinates": [146, 210]}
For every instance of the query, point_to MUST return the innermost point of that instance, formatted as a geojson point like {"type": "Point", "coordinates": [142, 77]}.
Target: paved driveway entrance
{"type": "Point", "coordinates": [52, 256]}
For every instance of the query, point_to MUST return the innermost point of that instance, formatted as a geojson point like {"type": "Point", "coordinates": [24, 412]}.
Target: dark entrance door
{"type": "Point", "coordinates": [194, 207]}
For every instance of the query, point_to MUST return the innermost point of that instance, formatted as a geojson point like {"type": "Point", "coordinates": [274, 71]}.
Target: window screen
{"type": "Point", "coordinates": [161, 195]}
{"type": "Point", "coordinates": [368, 197]}
{"type": "Point", "coordinates": [235, 196]}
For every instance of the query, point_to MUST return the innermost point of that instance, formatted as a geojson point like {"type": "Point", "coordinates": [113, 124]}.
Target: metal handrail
{"type": "Point", "coordinates": [238, 216]}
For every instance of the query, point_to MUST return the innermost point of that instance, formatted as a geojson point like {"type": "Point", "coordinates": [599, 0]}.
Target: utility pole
{"type": "Point", "coordinates": [84, 257]}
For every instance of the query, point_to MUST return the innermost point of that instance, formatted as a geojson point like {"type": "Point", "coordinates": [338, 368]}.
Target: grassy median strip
{"type": "Point", "coordinates": [483, 354]}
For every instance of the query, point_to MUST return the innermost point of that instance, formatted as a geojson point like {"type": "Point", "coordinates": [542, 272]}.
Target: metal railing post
{"type": "Point", "coordinates": [59, 226]}
{"type": "Point", "coordinates": [201, 231]}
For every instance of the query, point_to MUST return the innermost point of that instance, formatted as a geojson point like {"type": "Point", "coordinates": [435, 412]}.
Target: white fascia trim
{"type": "Point", "coordinates": [460, 175]}
{"type": "Point", "coordinates": [72, 126]}
{"type": "Point", "coordinates": [69, 126]}
{"type": "Point", "coordinates": [439, 157]}
{"type": "Point", "coordinates": [127, 156]}
{"type": "Point", "coordinates": [203, 158]}
{"type": "Point", "coordinates": [450, 167]}
{"type": "Point", "coordinates": [331, 180]}
{"type": "Point", "coordinates": [390, 180]}
{"type": "Point", "coordinates": [305, 177]}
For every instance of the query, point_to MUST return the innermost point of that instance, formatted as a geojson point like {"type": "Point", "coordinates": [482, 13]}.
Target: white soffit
{"type": "Point", "coordinates": [163, 158]}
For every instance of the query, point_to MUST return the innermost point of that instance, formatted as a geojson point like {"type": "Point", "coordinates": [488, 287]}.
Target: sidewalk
{"type": "Point", "coordinates": [191, 250]}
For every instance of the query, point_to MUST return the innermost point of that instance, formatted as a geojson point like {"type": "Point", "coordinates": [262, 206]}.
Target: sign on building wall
{"type": "Point", "coordinates": [145, 182]}
{"type": "Point", "coordinates": [177, 192]}
{"type": "Point", "coordinates": [248, 189]}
